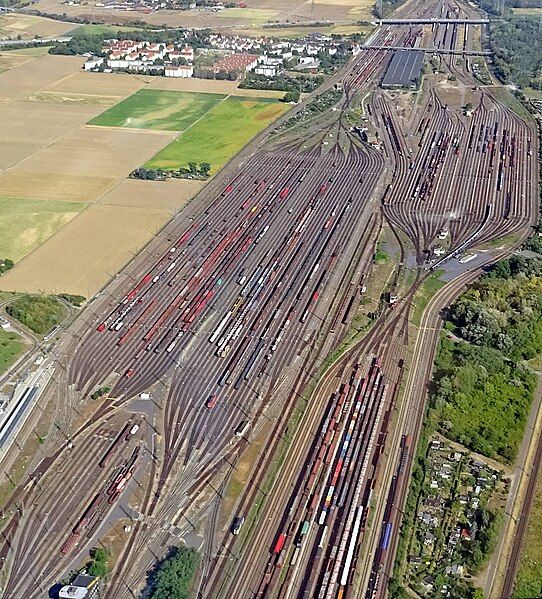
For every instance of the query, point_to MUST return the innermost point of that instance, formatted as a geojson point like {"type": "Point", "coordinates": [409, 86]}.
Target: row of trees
{"type": "Point", "coordinates": [83, 42]}
{"type": "Point", "coordinates": [283, 82]}
{"type": "Point", "coordinates": [193, 171]}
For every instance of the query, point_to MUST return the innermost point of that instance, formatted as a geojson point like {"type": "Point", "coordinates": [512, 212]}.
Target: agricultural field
{"type": "Point", "coordinates": [158, 109]}
{"type": "Point", "coordinates": [256, 13]}
{"type": "Point", "coordinates": [26, 223]}
{"type": "Point", "coordinates": [14, 25]}
{"type": "Point", "coordinates": [220, 134]}
{"type": "Point", "coordinates": [83, 255]}
{"type": "Point", "coordinates": [209, 86]}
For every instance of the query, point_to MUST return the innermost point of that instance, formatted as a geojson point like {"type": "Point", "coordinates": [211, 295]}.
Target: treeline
{"type": "Point", "coordinates": [220, 74]}
{"type": "Point", "coordinates": [517, 46]}
{"type": "Point", "coordinates": [173, 577]}
{"type": "Point", "coordinates": [503, 7]}
{"type": "Point", "coordinates": [385, 7]}
{"type": "Point", "coordinates": [193, 171]}
{"type": "Point", "coordinates": [92, 43]}
{"type": "Point", "coordinates": [284, 83]}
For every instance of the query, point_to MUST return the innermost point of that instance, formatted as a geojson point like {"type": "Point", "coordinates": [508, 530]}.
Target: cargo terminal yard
{"type": "Point", "coordinates": [216, 335]}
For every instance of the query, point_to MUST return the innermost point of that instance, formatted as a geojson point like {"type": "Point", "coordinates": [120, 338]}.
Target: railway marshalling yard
{"type": "Point", "coordinates": [226, 319]}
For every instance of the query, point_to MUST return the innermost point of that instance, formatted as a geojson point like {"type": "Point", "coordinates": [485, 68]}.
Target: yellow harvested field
{"type": "Point", "coordinates": [41, 123]}
{"type": "Point", "coordinates": [256, 13]}
{"type": "Point", "coordinates": [74, 99]}
{"type": "Point", "coordinates": [48, 152]}
{"type": "Point", "coordinates": [15, 150]}
{"type": "Point", "coordinates": [210, 86]}
{"type": "Point", "coordinates": [36, 74]}
{"type": "Point", "coordinates": [46, 186]}
{"type": "Point", "coordinates": [97, 152]}
{"type": "Point", "coordinates": [78, 258]}
{"type": "Point", "coordinates": [362, 9]}
{"type": "Point", "coordinates": [116, 85]}
{"type": "Point", "coordinates": [30, 26]}
{"type": "Point", "coordinates": [168, 195]}
{"type": "Point", "coordinates": [10, 61]}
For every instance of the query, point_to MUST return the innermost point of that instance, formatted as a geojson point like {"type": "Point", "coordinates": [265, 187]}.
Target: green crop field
{"type": "Point", "coordinates": [27, 223]}
{"type": "Point", "coordinates": [158, 109]}
{"type": "Point", "coordinates": [220, 134]}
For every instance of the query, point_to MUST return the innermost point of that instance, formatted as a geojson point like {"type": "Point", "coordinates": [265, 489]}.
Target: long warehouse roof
{"type": "Point", "coordinates": [404, 68]}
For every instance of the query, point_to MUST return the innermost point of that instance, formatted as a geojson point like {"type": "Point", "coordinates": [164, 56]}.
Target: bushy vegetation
{"type": "Point", "coordinates": [74, 300]}
{"type": "Point", "coordinates": [5, 265]}
{"type": "Point", "coordinates": [502, 7]}
{"type": "Point", "coordinates": [193, 171]}
{"type": "Point", "coordinates": [504, 309]}
{"type": "Point", "coordinates": [282, 82]}
{"type": "Point", "coordinates": [293, 96]}
{"type": "Point", "coordinates": [481, 398]}
{"type": "Point", "coordinates": [39, 313]}
{"type": "Point", "coordinates": [173, 578]}
{"type": "Point", "coordinates": [11, 347]}
{"type": "Point", "coordinates": [380, 256]}
{"type": "Point", "coordinates": [482, 389]}
{"type": "Point", "coordinates": [320, 104]}
{"type": "Point", "coordinates": [517, 46]}
{"type": "Point", "coordinates": [79, 44]}
{"type": "Point", "coordinates": [100, 392]}
{"type": "Point", "coordinates": [98, 565]}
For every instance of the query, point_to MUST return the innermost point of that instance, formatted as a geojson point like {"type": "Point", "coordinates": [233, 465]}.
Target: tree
{"type": "Point", "coordinates": [292, 96]}
{"type": "Point", "coordinates": [193, 167]}
{"type": "Point", "coordinates": [204, 169]}
{"type": "Point", "coordinates": [98, 565]}
{"type": "Point", "coordinates": [5, 265]}
{"type": "Point", "coordinates": [174, 576]}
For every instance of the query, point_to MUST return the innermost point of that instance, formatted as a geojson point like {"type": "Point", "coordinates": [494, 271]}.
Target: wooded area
{"type": "Point", "coordinates": [39, 313]}
{"type": "Point", "coordinates": [482, 387]}
{"type": "Point", "coordinates": [517, 46]}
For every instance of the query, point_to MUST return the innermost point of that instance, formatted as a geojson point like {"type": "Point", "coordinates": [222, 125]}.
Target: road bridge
{"type": "Point", "coordinates": [431, 50]}
{"type": "Point", "coordinates": [432, 21]}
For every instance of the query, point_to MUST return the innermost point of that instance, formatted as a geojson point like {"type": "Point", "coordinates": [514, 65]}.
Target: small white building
{"type": "Point", "coordinates": [182, 71]}
{"type": "Point", "coordinates": [93, 63]}
{"type": "Point", "coordinates": [267, 70]}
